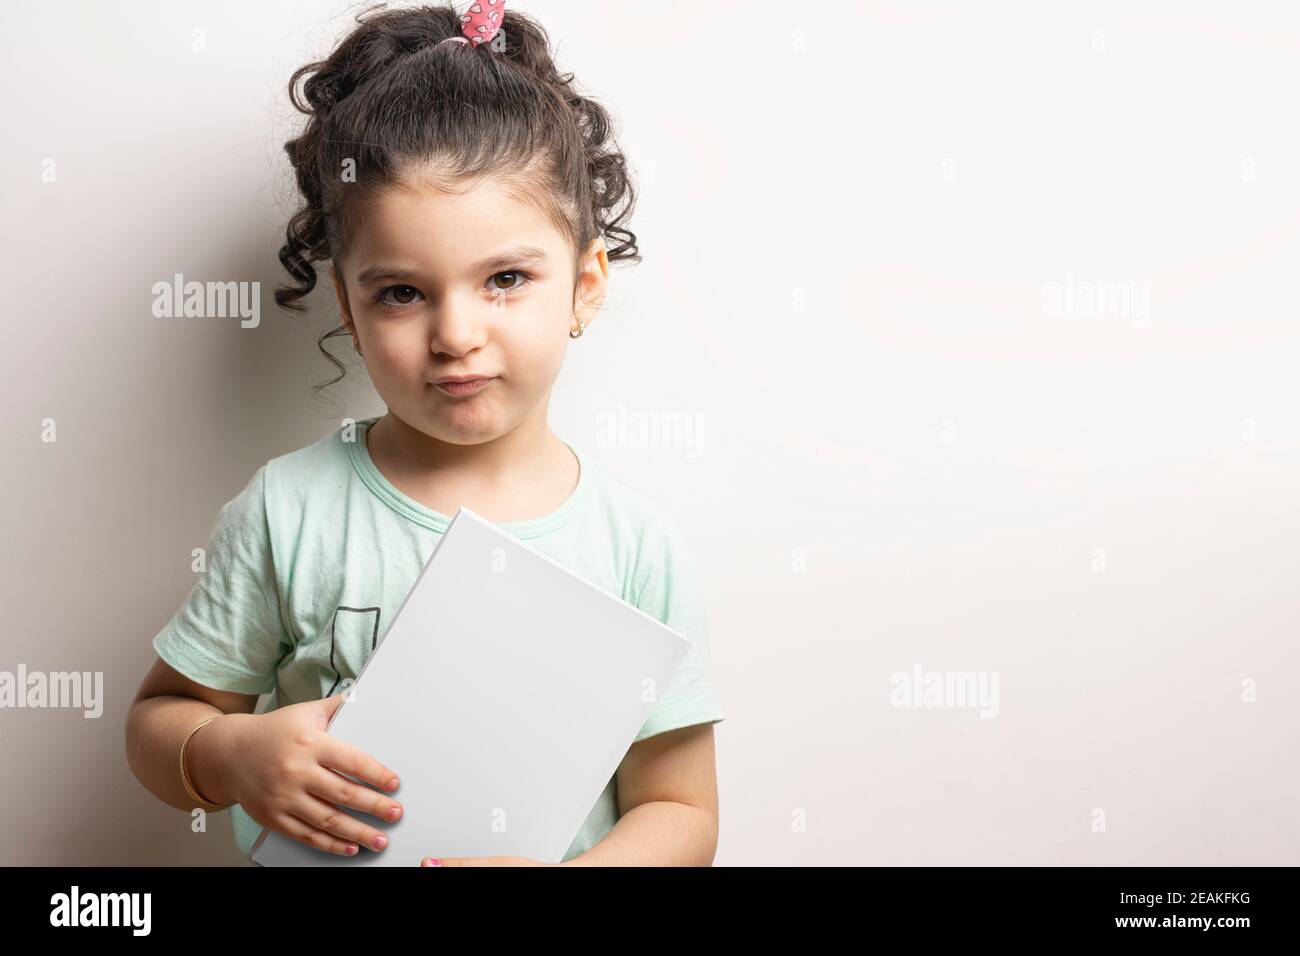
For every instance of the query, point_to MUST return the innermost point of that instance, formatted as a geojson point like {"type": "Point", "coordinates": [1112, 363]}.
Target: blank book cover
{"type": "Point", "coordinates": [504, 696]}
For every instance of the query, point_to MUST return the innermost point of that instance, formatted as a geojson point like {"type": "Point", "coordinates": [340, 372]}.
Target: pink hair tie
{"type": "Point", "coordinates": [482, 22]}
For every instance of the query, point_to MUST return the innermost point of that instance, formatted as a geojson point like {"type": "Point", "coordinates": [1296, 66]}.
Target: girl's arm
{"type": "Point", "coordinates": [668, 804]}
{"type": "Point", "coordinates": [166, 708]}
{"type": "Point", "coordinates": [282, 767]}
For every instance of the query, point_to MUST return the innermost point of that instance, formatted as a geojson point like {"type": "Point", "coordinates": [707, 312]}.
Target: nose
{"type": "Point", "coordinates": [458, 324]}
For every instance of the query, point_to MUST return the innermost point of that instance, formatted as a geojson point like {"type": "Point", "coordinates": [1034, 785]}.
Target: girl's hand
{"type": "Point", "coordinates": [282, 771]}
{"type": "Point", "coordinates": [483, 861]}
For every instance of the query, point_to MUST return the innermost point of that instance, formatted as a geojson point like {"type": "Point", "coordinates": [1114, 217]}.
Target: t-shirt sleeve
{"type": "Point", "coordinates": [228, 635]}
{"type": "Point", "coordinates": [669, 593]}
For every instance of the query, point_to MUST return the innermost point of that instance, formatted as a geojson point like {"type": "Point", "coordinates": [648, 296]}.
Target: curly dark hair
{"type": "Point", "coordinates": [391, 100]}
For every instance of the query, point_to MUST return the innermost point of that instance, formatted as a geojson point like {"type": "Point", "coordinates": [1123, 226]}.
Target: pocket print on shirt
{"type": "Point", "coordinates": [354, 634]}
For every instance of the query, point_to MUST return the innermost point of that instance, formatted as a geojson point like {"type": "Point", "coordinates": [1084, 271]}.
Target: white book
{"type": "Point", "coordinates": [504, 696]}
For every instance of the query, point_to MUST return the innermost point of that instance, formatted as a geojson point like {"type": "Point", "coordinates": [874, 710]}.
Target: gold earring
{"type": "Point", "coordinates": [579, 335]}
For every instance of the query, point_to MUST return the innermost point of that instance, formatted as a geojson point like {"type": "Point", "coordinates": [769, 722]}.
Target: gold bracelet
{"type": "Point", "coordinates": [185, 777]}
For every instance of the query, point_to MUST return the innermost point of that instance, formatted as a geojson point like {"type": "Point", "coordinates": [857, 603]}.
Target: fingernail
{"type": "Point", "coordinates": [379, 842]}
{"type": "Point", "coordinates": [394, 813]}
{"type": "Point", "coordinates": [392, 783]}
{"type": "Point", "coordinates": [430, 861]}
{"type": "Point", "coordinates": [351, 849]}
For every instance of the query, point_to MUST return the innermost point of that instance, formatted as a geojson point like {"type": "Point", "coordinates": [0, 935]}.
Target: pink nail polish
{"type": "Point", "coordinates": [379, 842]}
{"type": "Point", "coordinates": [394, 813]}
{"type": "Point", "coordinates": [431, 861]}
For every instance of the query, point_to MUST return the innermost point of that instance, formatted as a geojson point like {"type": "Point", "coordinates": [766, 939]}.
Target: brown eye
{"type": "Point", "coordinates": [514, 281]}
{"type": "Point", "coordinates": [403, 295]}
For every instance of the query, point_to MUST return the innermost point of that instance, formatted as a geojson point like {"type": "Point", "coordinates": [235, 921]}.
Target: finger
{"type": "Point", "coordinates": [455, 861]}
{"type": "Point", "coordinates": [303, 832]}
{"type": "Point", "coordinates": [337, 789]}
{"type": "Point", "coordinates": [328, 706]}
{"type": "Point", "coordinates": [337, 822]}
{"type": "Point", "coordinates": [352, 760]}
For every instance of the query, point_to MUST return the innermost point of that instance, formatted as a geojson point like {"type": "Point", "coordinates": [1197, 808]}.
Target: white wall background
{"type": "Point", "coordinates": [850, 230]}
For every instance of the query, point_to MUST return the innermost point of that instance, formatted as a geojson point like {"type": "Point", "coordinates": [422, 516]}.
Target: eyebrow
{"type": "Point", "coordinates": [493, 263]}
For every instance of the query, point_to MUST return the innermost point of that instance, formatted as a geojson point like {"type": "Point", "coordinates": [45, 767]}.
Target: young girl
{"type": "Point", "coordinates": [462, 191]}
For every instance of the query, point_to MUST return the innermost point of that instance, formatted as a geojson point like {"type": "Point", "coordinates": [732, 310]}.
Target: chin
{"type": "Point", "coordinates": [460, 424]}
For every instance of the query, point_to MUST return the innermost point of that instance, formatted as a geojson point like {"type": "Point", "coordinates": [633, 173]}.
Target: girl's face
{"type": "Point", "coordinates": [477, 283]}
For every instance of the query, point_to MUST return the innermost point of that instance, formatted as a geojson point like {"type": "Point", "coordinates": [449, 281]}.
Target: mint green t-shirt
{"type": "Point", "coordinates": [307, 566]}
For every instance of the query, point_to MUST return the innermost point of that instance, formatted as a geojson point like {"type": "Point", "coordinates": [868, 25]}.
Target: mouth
{"type": "Point", "coordinates": [460, 386]}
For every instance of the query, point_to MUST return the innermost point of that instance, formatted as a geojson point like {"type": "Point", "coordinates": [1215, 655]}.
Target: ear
{"type": "Point", "coordinates": [593, 282]}
{"type": "Point", "coordinates": [341, 291]}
